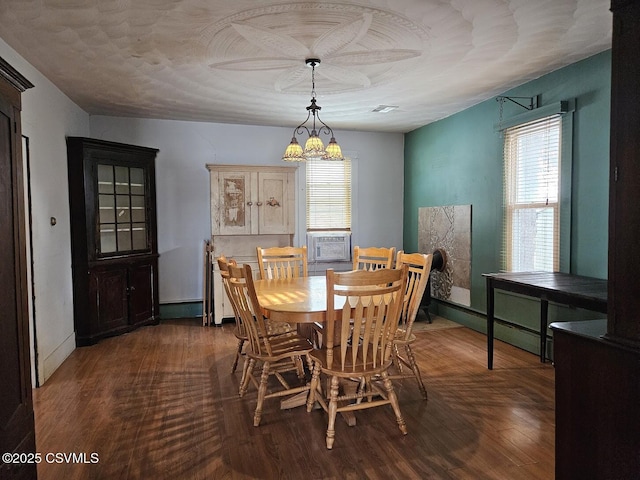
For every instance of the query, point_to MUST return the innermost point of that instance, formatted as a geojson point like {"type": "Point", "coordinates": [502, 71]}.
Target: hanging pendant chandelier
{"type": "Point", "coordinates": [314, 147]}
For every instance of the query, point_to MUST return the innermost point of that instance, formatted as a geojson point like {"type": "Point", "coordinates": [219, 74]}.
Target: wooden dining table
{"type": "Point", "coordinates": [300, 300]}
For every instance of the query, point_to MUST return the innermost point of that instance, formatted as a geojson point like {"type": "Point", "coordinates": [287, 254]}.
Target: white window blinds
{"type": "Point", "coordinates": [532, 184]}
{"type": "Point", "coordinates": [328, 195]}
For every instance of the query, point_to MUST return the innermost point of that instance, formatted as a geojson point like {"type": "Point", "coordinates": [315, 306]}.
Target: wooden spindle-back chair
{"type": "Point", "coordinates": [419, 267]}
{"type": "Point", "coordinates": [277, 354]}
{"type": "Point", "coordinates": [358, 342]}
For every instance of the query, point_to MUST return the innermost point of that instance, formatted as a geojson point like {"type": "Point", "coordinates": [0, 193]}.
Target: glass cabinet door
{"type": "Point", "coordinates": [122, 210]}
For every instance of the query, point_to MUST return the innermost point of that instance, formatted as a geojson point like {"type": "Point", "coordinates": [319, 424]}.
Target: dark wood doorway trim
{"type": "Point", "coordinates": [17, 431]}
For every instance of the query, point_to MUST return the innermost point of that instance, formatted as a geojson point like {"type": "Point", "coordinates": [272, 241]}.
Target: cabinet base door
{"type": "Point", "coordinates": [142, 293]}
{"type": "Point", "coordinates": [108, 291]}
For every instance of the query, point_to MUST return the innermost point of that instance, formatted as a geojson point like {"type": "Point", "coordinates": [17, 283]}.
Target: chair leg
{"type": "Point", "coordinates": [309, 363]}
{"type": "Point", "coordinates": [299, 367]}
{"type": "Point", "coordinates": [238, 355]}
{"type": "Point", "coordinates": [391, 395]}
{"type": "Point", "coordinates": [364, 389]}
{"type": "Point", "coordinates": [262, 392]}
{"type": "Point", "coordinates": [244, 377]}
{"type": "Point", "coordinates": [361, 389]}
{"type": "Point", "coordinates": [313, 388]}
{"type": "Point", "coordinates": [249, 364]}
{"type": "Point", "coordinates": [333, 411]}
{"type": "Point", "coordinates": [395, 357]}
{"type": "Point", "coordinates": [416, 371]}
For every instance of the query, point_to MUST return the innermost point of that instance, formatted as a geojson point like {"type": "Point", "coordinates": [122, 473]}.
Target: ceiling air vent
{"type": "Point", "coordinates": [384, 108]}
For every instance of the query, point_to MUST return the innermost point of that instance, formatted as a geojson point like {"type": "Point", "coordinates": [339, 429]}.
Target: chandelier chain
{"type": "Point", "coordinates": [313, 81]}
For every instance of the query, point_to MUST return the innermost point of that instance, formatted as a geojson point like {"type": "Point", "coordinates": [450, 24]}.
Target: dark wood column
{"type": "Point", "coordinates": [598, 362]}
{"type": "Point", "coordinates": [623, 323]}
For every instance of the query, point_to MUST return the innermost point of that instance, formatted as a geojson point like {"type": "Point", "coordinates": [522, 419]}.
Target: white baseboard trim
{"type": "Point", "coordinates": [59, 355]}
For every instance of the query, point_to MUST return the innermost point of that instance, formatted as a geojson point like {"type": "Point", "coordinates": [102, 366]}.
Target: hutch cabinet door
{"type": "Point", "coordinates": [232, 202]}
{"type": "Point", "coordinates": [274, 206]}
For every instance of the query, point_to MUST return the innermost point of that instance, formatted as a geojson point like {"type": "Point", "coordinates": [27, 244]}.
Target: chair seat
{"type": "Point", "coordinates": [351, 369]}
{"type": "Point", "coordinates": [283, 347]}
{"type": "Point", "coordinates": [401, 337]}
{"type": "Point", "coordinates": [277, 328]}
{"type": "Point", "coordinates": [240, 335]}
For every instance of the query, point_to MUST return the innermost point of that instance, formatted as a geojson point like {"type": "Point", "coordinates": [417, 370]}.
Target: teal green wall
{"type": "Point", "coordinates": [458, 161]}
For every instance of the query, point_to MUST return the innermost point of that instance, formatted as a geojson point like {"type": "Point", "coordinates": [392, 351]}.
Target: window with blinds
{"type": "Point", "coordinates": [532, 192]}
{"type": "Point", "coordinates": [328, 195]}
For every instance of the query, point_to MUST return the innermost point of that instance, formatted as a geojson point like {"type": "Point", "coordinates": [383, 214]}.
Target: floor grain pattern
{"type": "Point", "coordinates": [161, 403]}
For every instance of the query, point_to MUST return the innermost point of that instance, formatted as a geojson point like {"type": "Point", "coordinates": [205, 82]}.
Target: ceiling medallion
{"type": "Point", "coordinates": [271, 41]}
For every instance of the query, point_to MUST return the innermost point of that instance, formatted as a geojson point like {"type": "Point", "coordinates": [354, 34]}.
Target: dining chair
{"type": "Point", "coordinates": [282, 262]}
{"type": "Point", "coordinates": [419, 268]}
{"type": "Point", "coordinates": [364, 328]}
{"type": "Point", "coordinates": [372, 258]}
{"type": "Point", "coordinates": [285, 262]}
{"type": "Point", "coordinates": [278, 354]}
{"type": "Point", "coordinates": [240, 330]}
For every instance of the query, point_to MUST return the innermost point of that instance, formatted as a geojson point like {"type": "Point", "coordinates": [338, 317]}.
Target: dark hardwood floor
{"type": "Point", "coordinates": [161, 403]}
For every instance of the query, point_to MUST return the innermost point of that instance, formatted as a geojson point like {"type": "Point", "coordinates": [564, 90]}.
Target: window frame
{"type": "Point", "coordinates": [527, 147]}
{"type": "Point", "coordinates": [565, 110]}
{"type": "Point", "coordinates": [346, 224]}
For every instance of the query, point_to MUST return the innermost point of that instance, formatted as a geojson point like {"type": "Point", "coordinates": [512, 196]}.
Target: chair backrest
{"type": "Point", "coordinates": [282, 262]}
{"type": "Point", "coordinates": [368, 320]}
{"type": "Point", "coordinates": [372, 258]}
{"type": "Point", "coordinates": [243, 292]}
{"type": "Point", "coordinates": [419, 265]}
{"type": "Point", "coordinates": [223, 265]}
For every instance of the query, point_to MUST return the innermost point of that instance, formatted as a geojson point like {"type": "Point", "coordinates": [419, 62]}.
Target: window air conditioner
{"type": "Point", "coordinates": [329, 246]}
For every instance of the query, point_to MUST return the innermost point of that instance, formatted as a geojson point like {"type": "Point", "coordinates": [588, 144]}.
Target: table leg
{"type": "Point", "coordinates": [305, 330]}
{"type": "Point", "coordinates": [490, 313]}
{"type": "Point", "coordinates": [544, 309]}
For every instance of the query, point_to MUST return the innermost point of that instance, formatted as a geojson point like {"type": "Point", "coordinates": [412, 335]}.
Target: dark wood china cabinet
{"type": "Point", "coordinates": [113, 237]}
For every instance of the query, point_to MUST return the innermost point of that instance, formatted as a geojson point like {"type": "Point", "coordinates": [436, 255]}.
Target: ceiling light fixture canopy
{"type": "Point", "coordinates": [314, 147]}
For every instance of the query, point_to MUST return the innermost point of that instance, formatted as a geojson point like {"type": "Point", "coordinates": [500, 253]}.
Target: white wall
{"type": "Point", "coordinates": [183, 185]}
{"type": "Point", "coordinates": [48, 116]}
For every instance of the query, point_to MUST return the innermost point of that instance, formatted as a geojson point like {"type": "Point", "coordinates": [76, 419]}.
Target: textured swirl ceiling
{"type": "Point", "coordinates": [242, 61]}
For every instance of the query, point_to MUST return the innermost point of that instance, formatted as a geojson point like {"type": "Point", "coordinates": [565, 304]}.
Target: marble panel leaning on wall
{"type": "Point", "coordinates": [448, 227]}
